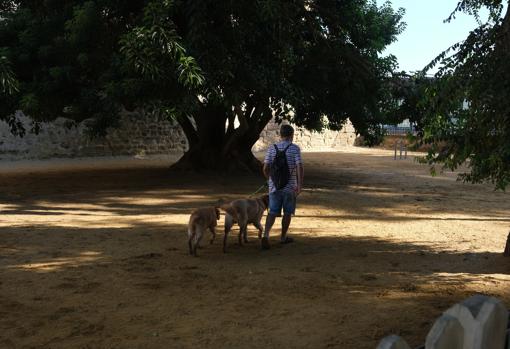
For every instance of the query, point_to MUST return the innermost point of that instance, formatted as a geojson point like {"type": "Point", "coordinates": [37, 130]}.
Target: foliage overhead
{"type": "Point", "coordinates": [466, 108]}
{"type": "Point", "coordinates": [66, 61]}
{"type": "Point", "coordinates": [203, 63]}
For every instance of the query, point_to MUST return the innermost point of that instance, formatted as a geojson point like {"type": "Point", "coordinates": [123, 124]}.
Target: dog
{"type": "Point", "coordinates": [243, 212]}
{"type": "Point", "coordinates": [200, 220]}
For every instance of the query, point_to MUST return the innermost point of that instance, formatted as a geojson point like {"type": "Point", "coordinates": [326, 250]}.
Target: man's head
{"type": "Point", "coordinates": [287, 132]}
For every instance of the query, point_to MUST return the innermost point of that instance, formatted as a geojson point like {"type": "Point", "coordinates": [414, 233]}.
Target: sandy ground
{"type": "Point", "coordinates": [95, 257]}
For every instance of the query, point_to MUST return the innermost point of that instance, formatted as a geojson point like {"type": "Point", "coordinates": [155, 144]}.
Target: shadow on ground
{"type": "Point", "coordinates": [98, 259]}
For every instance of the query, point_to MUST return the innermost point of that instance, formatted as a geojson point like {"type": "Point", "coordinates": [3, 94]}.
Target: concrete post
{"type": "Point", "coordinates": [484, 320]}
{"type": "Point", "coordinates": [447, 333]}
{"type": "Point", "coordinates": [393, 342]}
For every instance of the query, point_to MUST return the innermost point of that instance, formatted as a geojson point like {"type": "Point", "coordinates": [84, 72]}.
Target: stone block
{"type": "Point", "coordinates": [393, 342]}
{"type": "Point", "coordinates": [447, 333]}
{"type": "Point", "coordinates": [484, 320]}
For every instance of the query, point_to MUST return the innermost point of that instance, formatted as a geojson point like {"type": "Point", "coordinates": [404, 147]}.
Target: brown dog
{"type": "Point", "coordinates": [200, 220]}
{"type": "Point", "coordinates": [243, 212]}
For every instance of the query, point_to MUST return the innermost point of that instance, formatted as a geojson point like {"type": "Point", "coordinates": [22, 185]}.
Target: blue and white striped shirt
{"type": "Point", "coordinates": [293, 159]}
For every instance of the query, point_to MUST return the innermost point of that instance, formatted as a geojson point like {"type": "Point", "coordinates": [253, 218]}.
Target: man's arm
{"type": "Point", "coordinates": [300, 176]}
{"type": "Point", "coordinates": [300, 171]}
{"type": "Point", "coordinates": [267, 171]}
{"type": "Point", "coordinates": [268, 159]}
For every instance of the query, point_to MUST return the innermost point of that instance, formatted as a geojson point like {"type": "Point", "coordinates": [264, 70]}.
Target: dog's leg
{"type": "Point", "coordinates": [242, 233]}
{"type": "Point", "coordinates": [229, 221]}
{"type": "Point", "coordinates": [245, 233]}
{"type": "Point", "coordinates": [240, 237]}
{"type": "Point", "coordinates": [213, 232]}
{"type": "Point", "coordinates": [259, 227]}
{"type": "Point", "coordinates": [198, 236]}
{"type": "Point", "coordinates": [191, 237]}
{"type": "Point", "coordinates": [190, 245]}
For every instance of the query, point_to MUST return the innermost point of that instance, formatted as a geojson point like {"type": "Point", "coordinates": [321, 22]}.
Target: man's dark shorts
{"type": "Point", "coordinates": [282, 199]}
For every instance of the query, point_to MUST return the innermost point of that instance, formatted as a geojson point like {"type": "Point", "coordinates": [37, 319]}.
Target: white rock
{"type": "Point", "coordinates": [484, 320]}
{"type": "Point", "coordinates": [393, 342]}
{"type": "Point", "coordinates": [447, 333]}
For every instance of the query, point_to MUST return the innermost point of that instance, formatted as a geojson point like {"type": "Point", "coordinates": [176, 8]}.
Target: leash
{"type": "Point", "coordinates": [258, 190]}
{"type": "Point", "coordinates": [251, 195]}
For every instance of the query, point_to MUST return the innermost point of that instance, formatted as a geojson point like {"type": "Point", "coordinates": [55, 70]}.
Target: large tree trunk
{"type": "Point", "coordinates": [213, 147]}
{"type": "Point", "coordinates": [204, 157]}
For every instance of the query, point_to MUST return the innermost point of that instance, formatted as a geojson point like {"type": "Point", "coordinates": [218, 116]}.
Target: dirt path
{"type": "Point", "coordinates": [95, 258]}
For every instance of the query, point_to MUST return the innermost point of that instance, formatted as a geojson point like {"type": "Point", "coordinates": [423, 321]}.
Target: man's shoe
{"type": "Point", "coordinates": [265, 243]}
{"type": "Point", "coordinates": [287, 240]}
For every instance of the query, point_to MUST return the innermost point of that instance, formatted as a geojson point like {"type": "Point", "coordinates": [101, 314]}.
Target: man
{"type": "Point", "coordinates": [285, 195]}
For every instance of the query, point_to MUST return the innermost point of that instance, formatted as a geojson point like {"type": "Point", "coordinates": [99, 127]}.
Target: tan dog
{"type": "Point", "coordinates": [200, 220]}
{"type": "Point", "coordinates": [243, 212]}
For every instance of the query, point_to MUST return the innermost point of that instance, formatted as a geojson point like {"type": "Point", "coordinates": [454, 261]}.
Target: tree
{"type": "Point", "coordinates": [205, 64]}
{"type": "Point", "coordinates": [64, 60]}
{"type": "Point", "coordinates": [467, 109]}
{"type": "Point", "coordinates": [307, 59]}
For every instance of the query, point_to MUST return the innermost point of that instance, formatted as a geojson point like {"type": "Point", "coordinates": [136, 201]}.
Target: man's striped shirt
{"type": "Point", "coordinates": [293, 154]}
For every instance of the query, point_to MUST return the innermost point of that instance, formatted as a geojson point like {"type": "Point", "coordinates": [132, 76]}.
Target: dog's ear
{"type": "Point", "coordinates": [220, 203]}
{"type": "Point", "coordinates": [229, 210]}
{"type": "Point", "coordinates": [217, 213]}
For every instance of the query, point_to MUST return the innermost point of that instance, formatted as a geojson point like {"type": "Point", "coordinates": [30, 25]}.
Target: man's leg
{"type": "Point", "coordinates": [269, 224]}
{"type": "Point", "coordinates": [285, 226]}
{"type": "Point", "coordinates": [267, 229]}
{"type": "Point", "coordinates": [289, 208]}
{"type": "Point", "coordinates": [275, 207]}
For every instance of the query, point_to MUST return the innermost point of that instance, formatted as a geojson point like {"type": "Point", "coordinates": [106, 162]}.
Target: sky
{"type": "Point", "coordinates": [426, 35]}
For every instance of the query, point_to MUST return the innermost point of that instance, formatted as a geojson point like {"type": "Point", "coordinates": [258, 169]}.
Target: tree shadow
{"type": "Point", "coordinates": [98, 258]}
{"type": "Point", "coordinates": [375, 191]}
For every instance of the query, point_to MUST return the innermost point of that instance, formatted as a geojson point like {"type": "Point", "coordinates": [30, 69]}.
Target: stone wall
{"type": "Point", "coordinates": [309, 140]}
{"type": "Point", "coordinates": [137, 135]}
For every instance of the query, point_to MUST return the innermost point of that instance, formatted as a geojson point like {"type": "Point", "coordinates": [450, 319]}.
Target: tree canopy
{"type": "Point", "coordinates": [203, 63]}
{"type": "Point", "coordinates": [64, 59]}
{"type": "Point", "coordinates": [466, 107]}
